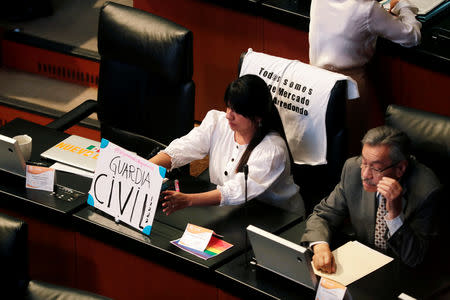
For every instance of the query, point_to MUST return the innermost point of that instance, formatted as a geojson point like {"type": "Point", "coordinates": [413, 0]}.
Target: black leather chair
{"type": "Point", "coordinates": [145, 81]}
{"type": "Point", "coordinates": [430, 144]}
{"type": "Point", "coordinates": [429, 134]}
{"type": "Point", "coordinates": [316, 182]}
{"type": "Point", "coordinates": [14, 278]}
{"type": "Point", "coordinates": [13, 256]}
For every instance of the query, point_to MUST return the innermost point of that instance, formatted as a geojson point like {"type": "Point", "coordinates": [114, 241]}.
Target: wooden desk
{"type": "Point", "coordinates": [78, 246]}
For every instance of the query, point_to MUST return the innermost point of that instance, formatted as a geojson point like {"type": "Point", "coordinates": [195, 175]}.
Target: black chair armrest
{"type": "Point", "coordinates": [13, 256]}
{"type": "Point", "coordinates": [74, 116]}
{"type": "Point", "coordinates": [42, 290]}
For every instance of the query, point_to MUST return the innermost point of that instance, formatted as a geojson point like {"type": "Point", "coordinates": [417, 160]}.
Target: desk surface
{"type": "Point", "coordinates": [385, 283]}
{"type": "Point", "coordinates": [231, 267]}
{"type": "Point", "coordinates": [228, 221]}
{"type": "Point", "coordinates": [14, 186]}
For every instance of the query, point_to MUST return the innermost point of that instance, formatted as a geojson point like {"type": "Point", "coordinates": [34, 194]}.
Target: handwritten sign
{"type": "Point", "coordinates": [126, 186]}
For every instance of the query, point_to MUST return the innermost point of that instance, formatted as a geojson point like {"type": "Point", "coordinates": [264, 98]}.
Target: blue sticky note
{"type": "Point", "coordinates": [104, 143]}
{"type": "Point", "coordinates": [147, 230]}
{"type": "Point", "coordinates": [90, 200]}
{"type": "Point", "coordinates": [162, 171]}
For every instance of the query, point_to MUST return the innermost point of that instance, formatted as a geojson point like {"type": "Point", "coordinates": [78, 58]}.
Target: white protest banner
{"type": "Point", "coordinates": [126, 186]}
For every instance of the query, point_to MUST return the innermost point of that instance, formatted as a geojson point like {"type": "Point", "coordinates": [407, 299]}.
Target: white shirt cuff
{"type": "Point", "coordinates": [311, 244]}
{"type": "Point", "coordinates": [394, 224]}
{"type": "Point", "coordinates": [404, 4]}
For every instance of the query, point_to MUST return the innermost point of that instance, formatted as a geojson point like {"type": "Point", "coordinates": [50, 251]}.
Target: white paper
{"type": "Point", "coordinates": [40, 178]}
{"type": "Point", "coordinates": [196, 237]}
{"type": "Point", "coordinates": [424, 6]}
{"type": "Point", "coordinates": [330, 290]}
{"type": "Point", "coordinates": [354, 261]}
{"type": "Point", "coordinates": [66, 168]}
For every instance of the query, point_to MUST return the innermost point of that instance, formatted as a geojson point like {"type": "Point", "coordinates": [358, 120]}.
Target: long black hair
{"type": "Point", "coordinates": [250, 97]}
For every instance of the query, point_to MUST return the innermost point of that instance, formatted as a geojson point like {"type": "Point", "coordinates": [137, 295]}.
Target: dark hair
{"type": "Point", "coordinates": [397, 141]}
{"type": "Point", "coordinates": [249, 96]}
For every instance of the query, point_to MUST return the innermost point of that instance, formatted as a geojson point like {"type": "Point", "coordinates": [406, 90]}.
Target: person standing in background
{"type": "Point", "coordinates": [342, 39]}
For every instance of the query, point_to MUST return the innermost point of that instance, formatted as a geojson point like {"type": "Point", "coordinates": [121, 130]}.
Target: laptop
{"type": "Point", "coordinates": [75, 151]}
{"type": "Point", "coordinates": [11, 158]}
{"type": "Point", "coordinates": [282, 257]}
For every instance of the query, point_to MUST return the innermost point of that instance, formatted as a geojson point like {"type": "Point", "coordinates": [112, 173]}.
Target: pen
{"type": "Point", "coordinates": [177, 185]}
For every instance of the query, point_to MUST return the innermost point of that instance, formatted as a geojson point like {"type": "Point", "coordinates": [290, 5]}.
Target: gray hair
{"type": "Point", "coordinates": [397, 141]}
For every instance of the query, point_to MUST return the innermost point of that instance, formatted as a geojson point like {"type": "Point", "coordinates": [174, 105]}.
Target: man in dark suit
{"type": "Point", "coordinates": [388, 197]}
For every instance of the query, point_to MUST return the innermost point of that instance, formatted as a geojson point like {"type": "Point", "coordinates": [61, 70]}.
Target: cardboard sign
{"type": "Point", "coordinates": [126, 186]}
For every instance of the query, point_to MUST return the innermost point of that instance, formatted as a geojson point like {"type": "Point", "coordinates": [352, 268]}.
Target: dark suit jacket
{"type": "Point", "coordinates": [350, 200]}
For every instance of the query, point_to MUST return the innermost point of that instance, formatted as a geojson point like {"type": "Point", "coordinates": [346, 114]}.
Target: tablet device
{"type": "Point", "coordinates": [11, 158]}
{"type": "Point", "coordinates": [282, 257]}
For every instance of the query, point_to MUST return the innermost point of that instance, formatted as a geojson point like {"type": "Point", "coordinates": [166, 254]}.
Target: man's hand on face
{"type": "Point", "coordinates": [391, 190]}
{"type": "Point", "coordinates": [323, 259]}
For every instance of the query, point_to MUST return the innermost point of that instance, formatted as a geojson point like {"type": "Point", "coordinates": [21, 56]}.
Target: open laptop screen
{"type": "Point", "coordinates": [282, 257]}
{"type": "Point", "coordinates": [11, 158]}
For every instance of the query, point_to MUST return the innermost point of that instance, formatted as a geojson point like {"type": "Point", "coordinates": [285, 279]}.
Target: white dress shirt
{"type": "Point", "coordinates": [343, 33]}
{"type": "Point", "coordinates": [269, 176]}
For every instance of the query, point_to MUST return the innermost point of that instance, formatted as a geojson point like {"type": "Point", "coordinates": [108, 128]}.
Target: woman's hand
{"type": "Point", "coordinates": [173, 201]}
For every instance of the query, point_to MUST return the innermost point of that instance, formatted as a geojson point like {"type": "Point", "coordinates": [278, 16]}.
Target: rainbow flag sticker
{"type": "Point", "coordinates": [215, 247]}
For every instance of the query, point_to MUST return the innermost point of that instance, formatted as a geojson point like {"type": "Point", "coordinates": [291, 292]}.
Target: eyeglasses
{"type": "Point", "coordinates": [375, 171]}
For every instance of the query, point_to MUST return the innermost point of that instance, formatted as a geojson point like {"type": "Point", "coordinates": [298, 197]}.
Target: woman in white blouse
{"type": "Point", "coordinates": [249, 133]}
{"type": "Point", "coordinates": [342, 38]}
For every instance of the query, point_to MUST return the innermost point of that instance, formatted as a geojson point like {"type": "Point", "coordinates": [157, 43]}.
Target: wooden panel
{"type": "Point", "coordinates": [407, 84]}
{"type": "Point", "coordinates": [220, 36]}
{"type": "Point", "coordinates": [8, 114]}
{"type": "Point", "coordinates": [51, 250]}
{"type": "Point", "coordinates": [48, 63]}
{"type": "Point", "coordinates": [223, 295]}
{"type": "Point", "coordinates": [114, 273]}
{"type": "Point", "coordinates": [284, 41]}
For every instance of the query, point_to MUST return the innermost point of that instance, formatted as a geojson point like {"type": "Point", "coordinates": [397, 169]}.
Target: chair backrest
{"type": "Point", "coordinates": [145, 79]}
{"type": "Point", "coordinates": [318, 181]}
{"type": "Point", "coordinates": [429, 134]}
{"type": "Point", "coordinates": [430, 144]}
{"type": "Point", "coordinates": [13, 256]}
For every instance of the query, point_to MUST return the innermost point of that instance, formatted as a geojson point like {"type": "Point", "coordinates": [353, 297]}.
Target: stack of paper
{"type": "Point", "coordinates": [354, 261]}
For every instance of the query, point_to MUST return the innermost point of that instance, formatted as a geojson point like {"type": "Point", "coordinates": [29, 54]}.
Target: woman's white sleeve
{"type": "Point", "coordinates": [265, 166]}
{"type": "Point", "coordinates": [195, 145]}
{"type": "Point", "coordinates": [403, 28]}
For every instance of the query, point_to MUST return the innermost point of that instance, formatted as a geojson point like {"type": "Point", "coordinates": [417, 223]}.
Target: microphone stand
{"type": "Point", "coordinates": [245, 167]}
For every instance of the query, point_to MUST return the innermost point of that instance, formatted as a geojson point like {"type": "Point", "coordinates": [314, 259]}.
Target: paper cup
{"type": "Point", "coordinates": [24, 142]}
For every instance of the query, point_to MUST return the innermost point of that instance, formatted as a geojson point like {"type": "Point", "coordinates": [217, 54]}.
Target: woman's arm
{"type": "Point", "coordinates": [162, 159]}
{"type": "Point", "coordinates": [173, 201]}
{"type": "Point", "coordinates": [403, 28]}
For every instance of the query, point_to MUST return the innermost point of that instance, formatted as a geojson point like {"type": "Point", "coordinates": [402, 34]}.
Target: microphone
{"type": "Point", "coordinates": [245, 178]}
{"type": "Point", "coordinates": [245, 168]}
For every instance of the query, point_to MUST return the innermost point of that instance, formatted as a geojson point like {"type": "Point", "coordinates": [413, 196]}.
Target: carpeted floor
{"type": "Point", "coordinates": [73, 23]}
